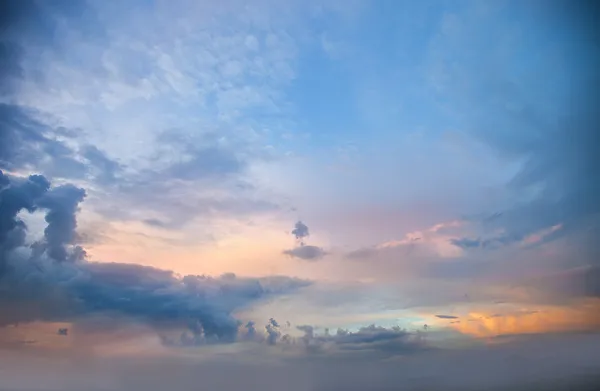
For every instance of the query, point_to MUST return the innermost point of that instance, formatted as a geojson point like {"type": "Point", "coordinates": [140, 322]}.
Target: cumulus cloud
{"type": "Point", "coordinates": [300, 231]}
{"type": "Point", "coordinates": [38, 284]}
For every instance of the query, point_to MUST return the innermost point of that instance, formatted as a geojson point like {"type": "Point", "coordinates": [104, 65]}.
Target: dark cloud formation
{"type": "Point", "coordinates": [27, 142]}
{"type": "Point", "coordinates": [273, 331]}
{"type": "Point", "coordinates": [446, 317]}
{"type": "Point", "coordinates": [377, 340]}
{"type": "Point", "coordinates": [17, 195]}
{"type": "Point", "coordinates": [62, 204]}
{"type": "Point", "coordinates": [300, 231]}
{"type": "Point", "coordinates": [39, 283]}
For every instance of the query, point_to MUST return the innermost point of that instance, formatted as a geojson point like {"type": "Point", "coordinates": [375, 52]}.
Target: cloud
{"type": "Point", "coordinates": [300, 231]}
{"type": "Point", "coordinates": [16, 195]}
{"type": "Point", "coordinates": [392, 341]}
{"type": "Point", "coordinates": [302, 250]}
{"type": "Point", "coordinates": [446, 317]}
{"type": "Point", "coordinates": [554, 139]}
{"type": "Point", "coordinates": [466, 242]}
{"type": "Point", "coordinates": [553, 362]}
{"type": "Point", "coordinates": [38, 284]}
{"type": "Point", "coordinates": [107, 169]}
{"type": "Point", "coordinates": [62, 203]}
{"type": "Point", "coordinates": [26, 142]}
{"type": "Point", "coordinates": [306, 252]}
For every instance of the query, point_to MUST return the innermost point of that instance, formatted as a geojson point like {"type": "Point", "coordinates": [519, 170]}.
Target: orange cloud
{"type": "Point", "coordinates": [584, 316]}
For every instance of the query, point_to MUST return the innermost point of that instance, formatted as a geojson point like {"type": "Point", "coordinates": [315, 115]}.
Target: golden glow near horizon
{"type": "Point", "coordinates": [583, 315]}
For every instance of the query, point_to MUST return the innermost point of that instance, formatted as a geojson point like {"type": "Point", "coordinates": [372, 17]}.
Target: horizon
{"type": "Point", "coordinates": [317, 195]}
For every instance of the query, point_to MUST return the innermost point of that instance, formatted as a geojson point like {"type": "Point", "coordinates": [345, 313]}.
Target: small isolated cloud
{"type": "Point", "coordinates": [302, 250]}
{"type": "Point", "coordinates": [300, 230]}
{"type": "Point", "coordinates": [306, 252]}
{"type": "Point", "coordinates": [446, 317]}
{"type": "Point", "coordinates": [466, 243]}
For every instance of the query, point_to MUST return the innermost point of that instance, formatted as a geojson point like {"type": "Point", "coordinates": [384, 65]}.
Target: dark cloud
{"type": "Point", "coordinates": [306, 252]}
{"type": "Point", "coordinates": [38, 287]}
{"type": "Point", "coordinates": [374, 340]}
{"type": "Point", "coordinates": [16, 195]}
{"type": "Point", "coordinates": [300, 230]}
{"type": "Point", "coordinates": [273, 331]}
{"type": "Point", "coordinates": [62, 204]}
{"type": "Point", "coordinates": [26, 142]}
{"type": "Point", "coordinates": [446, 317]}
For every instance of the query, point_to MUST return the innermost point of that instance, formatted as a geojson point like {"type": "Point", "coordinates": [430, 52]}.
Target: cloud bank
{"type": "Point", "coordinates": [50, 280]}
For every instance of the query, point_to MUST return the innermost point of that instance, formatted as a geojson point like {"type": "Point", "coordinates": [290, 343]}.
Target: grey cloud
{"type": "Point", "coordinates": [491, 243]}
{"type": "Point", "coordinates": [35, 287]}
{"type": "Point", "coordinates": [300, 230]}
{"type": "Point", "coordinates": [375, 340]}
{"type": "Point", "coordinates": [446, 317]}
{"type": "Point", "coordinates": [466, 242]}
{"type": "Point", "coordinates": [273, 332]}
{"type": "Point", "coordinates": [302, 250]}
{"type": "Point", "coordinates": [16, 195]}
{"type": "Point", "coordinates": [25, 142]}
{"type": "Point", "coordinates": [306, 252]}
{"type": "Point", "coordinates": [28, 142]}
{"type": "Point", "coordinates": [62, 204]}
{"type": "Point", "coordinates": [107, 169]}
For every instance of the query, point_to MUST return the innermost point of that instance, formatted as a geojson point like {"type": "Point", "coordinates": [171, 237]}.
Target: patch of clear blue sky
{"type": "Point", "coordinates": [379, 87]}
{"type": "Point", "coordinates": [375, 86]}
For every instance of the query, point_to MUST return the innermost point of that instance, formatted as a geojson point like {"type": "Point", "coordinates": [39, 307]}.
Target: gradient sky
{"type": "Point", "coordinates": [421, 175]}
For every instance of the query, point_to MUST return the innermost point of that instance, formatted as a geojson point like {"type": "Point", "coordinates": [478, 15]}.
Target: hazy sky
{"type": "Point", "coordinates": [298, 188]}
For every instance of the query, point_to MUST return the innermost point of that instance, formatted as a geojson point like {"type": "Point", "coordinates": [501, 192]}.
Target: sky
{"type": "Point", "coordinates": [316, 195]}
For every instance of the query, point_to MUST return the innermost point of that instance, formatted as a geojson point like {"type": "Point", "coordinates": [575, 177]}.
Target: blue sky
{"type": "Point", "coordinates": [332, 164]}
